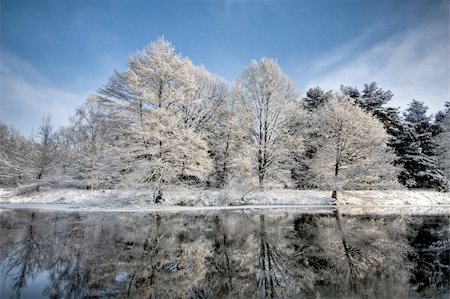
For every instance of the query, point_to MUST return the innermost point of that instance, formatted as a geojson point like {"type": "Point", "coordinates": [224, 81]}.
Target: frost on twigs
{"type": "Point", "coordinates": [163, 104]}
{"type": "Point", "coordinates": [351, 147]}
{"type": "Point", "coordinates": [164, 123]}
{"type": "Point", "coordinates": [266, 96]}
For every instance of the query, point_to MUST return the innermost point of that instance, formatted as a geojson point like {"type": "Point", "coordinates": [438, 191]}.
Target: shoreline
{"type": "Point", "coordinates": [363, 209]}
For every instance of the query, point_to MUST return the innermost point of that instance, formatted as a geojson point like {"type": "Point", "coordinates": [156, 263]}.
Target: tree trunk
{"type": "Point", "coordinates": [334, 194]}
{"type": "Point", "coordinates": [158, 197]}
{"type": "Point", "coordinates": [261, 180]}
{"type": "Point", "coordinates": [336, 171]}
{"type": "Point", "coordinates": [260, 168]}
{"type": "Point", "coordinates": [224, 176]}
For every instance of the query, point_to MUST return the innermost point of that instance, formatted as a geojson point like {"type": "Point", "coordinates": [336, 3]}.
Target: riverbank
{"type": "Point", "coordinates": [210, 198]}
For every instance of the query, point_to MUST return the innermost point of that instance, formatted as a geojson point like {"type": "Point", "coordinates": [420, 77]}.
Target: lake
{"type": "Point", "coordinates": [279, 253]}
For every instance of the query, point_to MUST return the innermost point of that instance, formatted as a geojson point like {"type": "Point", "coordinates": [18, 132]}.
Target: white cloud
{"type": "Point", "coordinates": [414, 64]}
{"type": "Point", "coordinates": [26, 95]}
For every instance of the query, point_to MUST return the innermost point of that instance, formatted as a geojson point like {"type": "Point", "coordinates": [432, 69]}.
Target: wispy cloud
{"type": "Point", "coordinates": [345, 52]}
{"type": "Point", "coordinates": [412, 64]}
{"type": "Point", "coordinates": [26, 95]}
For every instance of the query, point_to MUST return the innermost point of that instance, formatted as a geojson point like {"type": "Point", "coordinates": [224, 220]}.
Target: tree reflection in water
{"type": "Point", "coordinates": [233, 254]}
{"type": "Point", "coordinates": [27, 259]}
{"type": "Point", "coordinates": [431, 256]}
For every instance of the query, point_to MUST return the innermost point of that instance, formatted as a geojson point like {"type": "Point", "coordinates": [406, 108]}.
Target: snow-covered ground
{"type": "Point", "coordinates": [143, 199]}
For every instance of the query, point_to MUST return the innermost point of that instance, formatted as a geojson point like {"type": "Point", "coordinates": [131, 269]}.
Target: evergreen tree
{"type": "Point", "coordinates": [417, 151]}
{"type": "Point", "coordinates": [441, 120]}
{"type": "Point", "coordinates": [373, 97]}
{"type": "Point", "coordinates": [315, 97]}
{"type": "Point", "coordinates": [351, 92]}
{"type": "Point", "coordinates": [441, 129]}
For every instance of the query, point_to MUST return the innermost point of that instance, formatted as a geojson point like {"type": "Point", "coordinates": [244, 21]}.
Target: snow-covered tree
{"type": "Point", "coordinates": [351, 147]}
{"type": "Point", "coordinates": [351, 92]}
{"type": "Point", "coordinates": [442, 140]}
{"type": "Point", "coordinates": [206, 110]}
{"type": "Point", "coordinates": [299, 145]}
{"type": "Point", "coordinates": [171, 152]}
{"type": "Point", "coordinates": [160, 103]}
{"type": "Point", "coordinates": [42, 159]}
{"type": "Point", "coordinates": [267, 94]}
{"type": "Point", "coordinates": [203, 99]}
{"type": "Point", "coordinates": [13, 149]}
{"type": "Point", "coordinates": [301, 175]}
{"type": "Point", "coordinates": [156, 77]}
{"type": "Point", "coordinates": [159, 77]}
{"type": "Point", "coordinates": [417, 151]}
{"type": "Point", "coordinates": [89, 157]}
{"type": "Point", "coordinates": [441, 120]}
{"type": "Point", "coordinates": [373, 97]}
{"type": "Point", "coordinates": [229, 139]}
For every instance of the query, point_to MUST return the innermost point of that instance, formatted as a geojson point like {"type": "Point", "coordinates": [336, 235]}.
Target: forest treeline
{"type": "Point", "coordinates": [165, 121]}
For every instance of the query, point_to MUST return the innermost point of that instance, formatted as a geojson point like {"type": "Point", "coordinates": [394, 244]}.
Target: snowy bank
{"type": "Point", "coordinates": [201, 198]}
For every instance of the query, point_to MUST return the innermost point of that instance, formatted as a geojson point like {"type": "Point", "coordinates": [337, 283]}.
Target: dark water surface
{"type": "Point", "coordinates": [330, 253]}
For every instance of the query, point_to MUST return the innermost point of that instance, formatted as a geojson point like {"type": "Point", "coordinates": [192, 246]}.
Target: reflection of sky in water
{"type": "Point", "coordinates": [122, 276]}
{"type": "Point", "coordinates": [283, 253]}
{"type": "Point", "coordinates": [32, 290]}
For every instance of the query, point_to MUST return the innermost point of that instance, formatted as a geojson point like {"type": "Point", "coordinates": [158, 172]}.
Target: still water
{"type": "Point", "coordinates": [331, 253]}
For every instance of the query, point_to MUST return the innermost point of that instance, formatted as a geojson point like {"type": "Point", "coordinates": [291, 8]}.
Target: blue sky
{"type": "Point", "coordinates": [54, 53]}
